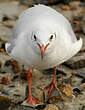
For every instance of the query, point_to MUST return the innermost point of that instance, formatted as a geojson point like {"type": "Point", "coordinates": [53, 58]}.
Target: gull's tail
{"type": "Point", "coordinates": [74, 49]}
{"type": "Point", "coordinates": [77, 46]}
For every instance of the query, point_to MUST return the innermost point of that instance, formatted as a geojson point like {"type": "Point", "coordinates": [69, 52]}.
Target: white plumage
{"type": "Point", "coordinates": [43, 22]}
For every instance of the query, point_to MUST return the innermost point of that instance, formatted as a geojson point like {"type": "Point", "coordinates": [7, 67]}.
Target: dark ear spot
{"type": "Point", "coordinates": [55, 35]}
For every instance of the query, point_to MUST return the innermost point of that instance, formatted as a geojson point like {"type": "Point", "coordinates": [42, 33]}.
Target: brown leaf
{"type": "Point", "coordinates": [15, 66]}
{"type": "Point", "coordinates": [51, 107]}
{"type": "Point", "coordinates": [66, 89]}
{"type": "Point", "coordinates": [2, 50]}
{"type": "Point", "coordinates": [54, 99]}
{"type": "Point", "coordinates": [84, 86]}
{"type": "Point", "coordinates": [65, 7]}
{"type": "Point", "coordinates": [75, 5]}
{"type": "Point", "coordinates": [23, 75]}
{"type": "Point", "coordinates": [7, 23]}
{"type": "Point", "coordinates": [42, 96]}
{"type": "Point", "coordinates": [75, 22]}
{"type": "Point", "coordinates": [5, 80]}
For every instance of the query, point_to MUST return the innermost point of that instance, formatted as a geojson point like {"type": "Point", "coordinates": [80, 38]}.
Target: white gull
{"type": "Point", "coordinates": [42, 38]}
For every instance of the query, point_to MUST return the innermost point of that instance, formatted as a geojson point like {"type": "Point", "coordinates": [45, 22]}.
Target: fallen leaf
{"type": "Point", "coordinates": [23, 75]}
{"type": "Point", "coordinates": [5, 80]}
{"type": "Point", "coordinates": [75, 22]}
{"type": "Point", "coordinates": [15, 66]}
{"type": "Point", "coordinates": [51, 107]}
{"type": "Point", "coordinates": [75, 5]}
{"type": "Point", "coordinates": [83, 86]}
{"type": "Point", "coordinates": [2, 50]}
{"type": "Point", "coordinates": [66, 89]}
{"type": "Point", "coordinates": [7, 23]}
{"type": "Point", "coordinates": [65, 7]}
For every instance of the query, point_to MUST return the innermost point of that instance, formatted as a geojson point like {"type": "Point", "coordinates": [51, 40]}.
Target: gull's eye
{"type": "Point", "coordinates": [51, 37]}
{"type": "Point", "coordinates": [35, 38]}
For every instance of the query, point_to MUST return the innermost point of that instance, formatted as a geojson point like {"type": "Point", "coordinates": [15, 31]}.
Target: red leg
{"type": "Point", "coordinates": [53, 85]}
{"type": "Point", "coordinates": [30, 99]}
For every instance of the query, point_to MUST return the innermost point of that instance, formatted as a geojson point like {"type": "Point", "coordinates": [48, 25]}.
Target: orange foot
{"type": "Point", "coordinates": [31, 100]}
{"type": "Point", "coordinates": [52, 88]}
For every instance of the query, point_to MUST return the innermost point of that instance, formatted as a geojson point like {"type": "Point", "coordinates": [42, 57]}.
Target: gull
{"type": "Point", "coordinates": [42, 38]}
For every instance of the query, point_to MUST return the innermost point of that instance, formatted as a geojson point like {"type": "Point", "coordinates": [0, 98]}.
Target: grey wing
{"type": "Point", "coordinates": [12, 41]}
{"type": "Point", "coordinates": [9, 46]}
{"type": "Point", "coordinates": [69, 30]}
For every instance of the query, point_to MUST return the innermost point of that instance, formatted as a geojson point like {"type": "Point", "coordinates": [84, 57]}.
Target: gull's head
{"type": "Point", "coordinates": [43, 42]}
